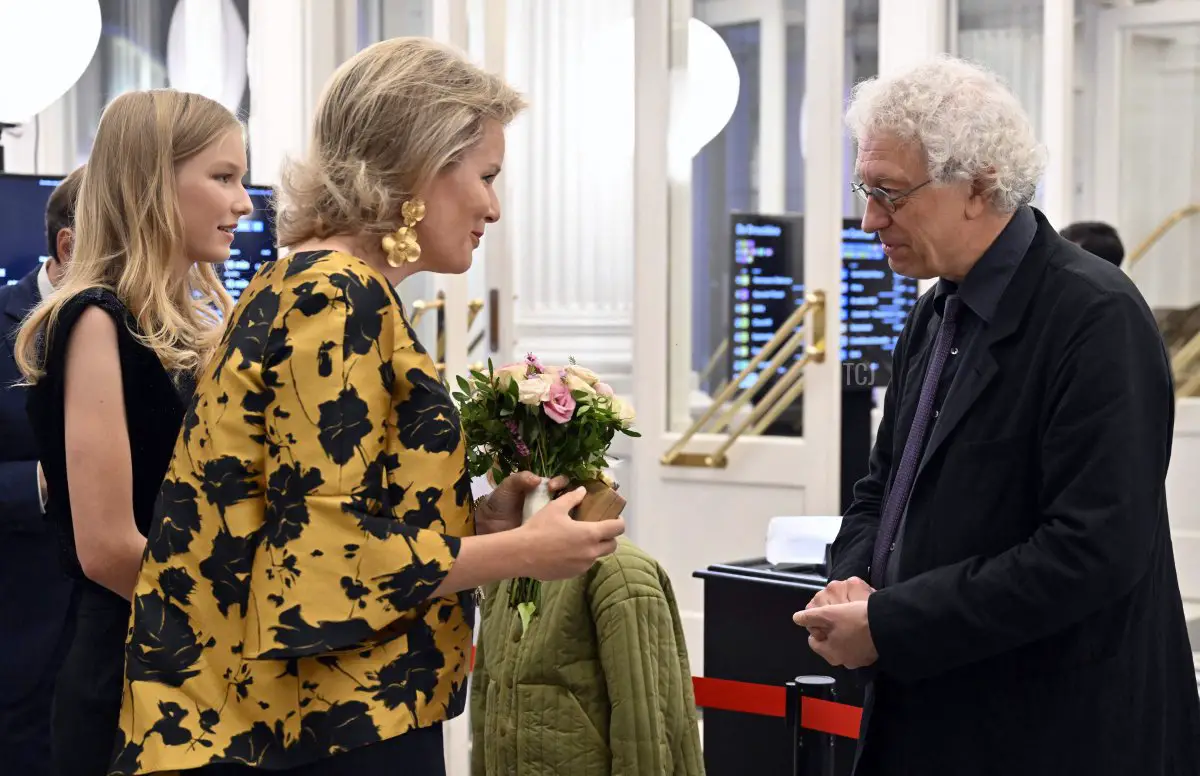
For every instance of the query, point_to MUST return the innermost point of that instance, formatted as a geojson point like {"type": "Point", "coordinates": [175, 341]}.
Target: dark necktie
{"type": "Point", "coordinates": [897, 500]}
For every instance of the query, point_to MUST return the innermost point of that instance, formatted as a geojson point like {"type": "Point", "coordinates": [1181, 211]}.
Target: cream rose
{"type": "Point", "coordinates": [583, 373]}
{"type": "Point", "coordinates": [577, 384]}
{"type": "Point", "coordinates": [534, 390]}
{"type": "Point", "coordinates": [506, 374]}
{"type": "Point", "coordinates": [624, 411]}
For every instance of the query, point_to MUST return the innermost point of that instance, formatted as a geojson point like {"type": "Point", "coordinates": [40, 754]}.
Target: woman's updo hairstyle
{"type": "Point", "coordinates": [389, 120]}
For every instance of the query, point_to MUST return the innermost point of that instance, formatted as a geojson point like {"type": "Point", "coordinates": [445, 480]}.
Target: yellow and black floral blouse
{"type": "Point", "coordinates": [315, 500]}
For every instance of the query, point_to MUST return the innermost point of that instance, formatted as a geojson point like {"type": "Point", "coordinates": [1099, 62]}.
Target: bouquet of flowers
{"type": "Point", "coordinates": [549, 420]}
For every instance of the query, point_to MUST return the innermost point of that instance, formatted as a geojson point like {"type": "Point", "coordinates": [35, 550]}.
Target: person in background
{"type": "Point", "coordinates": [1097, 238]}
{"type": "Point", "coordinates": [35, 594]}
{"type": "Point", "coordinates": [307, 599]}
{"type": "Point", "coordinates": [112, 356]}
{"type": "Point", "coordinates": [1005, 572]}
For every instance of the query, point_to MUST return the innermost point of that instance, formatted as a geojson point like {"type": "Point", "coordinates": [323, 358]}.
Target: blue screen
{"type": "Point", "coordinates": [23, 201]}
{"type": "Point", "coordinates": [768, 285]}
{"type": "Point", "coordinates": [253, 244]}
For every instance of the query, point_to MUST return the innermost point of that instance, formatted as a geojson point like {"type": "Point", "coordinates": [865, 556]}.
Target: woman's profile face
{"type": "Point", "coordinates": [460, 203]}
{"type": "Point", "coordinates": [212, 199]}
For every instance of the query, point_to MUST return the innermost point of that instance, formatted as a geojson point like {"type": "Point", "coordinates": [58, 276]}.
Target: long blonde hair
{"type": "Point", "coordinates": [129, 231]}
{"type": "Point", "coordinates": [390, 119]}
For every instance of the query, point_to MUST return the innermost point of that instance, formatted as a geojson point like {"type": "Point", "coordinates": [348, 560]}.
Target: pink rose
{"type": "Point", "coordinates": [604, 389]}
{"type": "Point", "coordinates": [561, 404]}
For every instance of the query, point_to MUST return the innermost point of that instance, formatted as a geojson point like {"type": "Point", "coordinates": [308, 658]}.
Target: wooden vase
{"type": "Point", "coordinates": [600, 503]}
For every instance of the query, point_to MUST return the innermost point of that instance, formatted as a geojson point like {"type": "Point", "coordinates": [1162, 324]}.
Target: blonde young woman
{"type": "Point", "coordinates": [307, 599]}
{"type": "Point", "coordinates": [112, 356]}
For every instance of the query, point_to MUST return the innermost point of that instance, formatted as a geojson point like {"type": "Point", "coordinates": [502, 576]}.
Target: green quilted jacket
{"type": "Point", "coordinates": [599, 685]}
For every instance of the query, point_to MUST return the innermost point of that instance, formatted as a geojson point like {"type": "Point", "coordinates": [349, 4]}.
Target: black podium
{"type": "Point", "coordinates": [749, 636]}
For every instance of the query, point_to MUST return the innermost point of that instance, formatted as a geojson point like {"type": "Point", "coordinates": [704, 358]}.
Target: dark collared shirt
{"type": "Point", "coordinates": [980, 291]}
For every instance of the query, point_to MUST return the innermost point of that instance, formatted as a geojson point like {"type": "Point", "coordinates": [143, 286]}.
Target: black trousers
{"type": "Point", "coordinates": [416, 753]}
{"type": "Point", "coordinates": [87, 695]}
{"type": "Point", "coordinates": [25, 729]}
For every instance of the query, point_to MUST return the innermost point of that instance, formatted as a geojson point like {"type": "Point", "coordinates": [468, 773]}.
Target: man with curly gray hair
{"type": "Point", "coordinates": [1004, 575]}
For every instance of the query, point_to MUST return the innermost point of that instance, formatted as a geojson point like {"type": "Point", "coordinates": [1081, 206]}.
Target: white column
{"type": "Point", "coordinates": [569, 165]}
{"type": "Point", "coordinates": [911, 31]}
{"type": "Point", "coordinates": [498, 288]}
{"type": "Point", "coordinates": [294, 47]}
{"type": "Point", "coordinates": [46, 144]}
{"type": "Point", "coordinates": [449, 23]}
{"type": "Point", "coordinates": [1058, 109]}
{"type": "Point", "coordinates": [824, 44]}
{"type": "Point", "coordinates": [772, 111]}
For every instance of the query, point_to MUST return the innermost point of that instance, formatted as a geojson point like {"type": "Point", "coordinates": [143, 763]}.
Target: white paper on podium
{"type": "Point", "coordinates": [800, 539]}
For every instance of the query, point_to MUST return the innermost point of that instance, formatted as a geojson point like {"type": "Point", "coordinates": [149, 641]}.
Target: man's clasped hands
{"type": "Point", "coordinates": [836, 619]}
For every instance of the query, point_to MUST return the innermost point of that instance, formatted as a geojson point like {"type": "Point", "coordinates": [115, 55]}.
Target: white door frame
{"type": "Point", "coordinates": [1106, 170]}
{"type": "Point", "coordinates": [450, 23]}
{"type": "Point", "coordinates": [692, 517]}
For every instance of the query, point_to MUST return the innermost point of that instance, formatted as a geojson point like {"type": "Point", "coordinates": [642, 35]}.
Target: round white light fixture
{"type": "Point", "coordinates": [704, 96]}
{"type": "Point", "coordinates": [45, 45]}
{"type": "Point", "coordinates": [216, 67]}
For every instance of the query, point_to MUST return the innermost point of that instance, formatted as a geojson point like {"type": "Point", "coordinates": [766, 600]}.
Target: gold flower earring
{"type": "Point", "coordinates": [402, 246]}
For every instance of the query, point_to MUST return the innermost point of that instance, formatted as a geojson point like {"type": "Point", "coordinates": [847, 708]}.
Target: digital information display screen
{"type": "Point", "coordinates": [23, 246]}
{"type": "Point", "coordinates": [768, 285]}
{"type": "Point", "coordinates": [253, 244]}
{"type": "Point", "coordinates": [23, 201]}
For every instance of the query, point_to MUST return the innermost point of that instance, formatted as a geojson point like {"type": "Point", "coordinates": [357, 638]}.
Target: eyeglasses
{"type": "Point", "coordinates": [889, 202]}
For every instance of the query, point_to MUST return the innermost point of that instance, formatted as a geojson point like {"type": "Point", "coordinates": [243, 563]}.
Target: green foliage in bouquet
{"type": "Point", "coordinates": [547, 420]}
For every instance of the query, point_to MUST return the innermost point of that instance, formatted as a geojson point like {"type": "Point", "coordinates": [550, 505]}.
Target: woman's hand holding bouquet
{"type": "Point", "coordinates": [527, 423]}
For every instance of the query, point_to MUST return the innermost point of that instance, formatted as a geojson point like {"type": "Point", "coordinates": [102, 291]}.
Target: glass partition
{"type": "Point", "coordinates": [745, 195]}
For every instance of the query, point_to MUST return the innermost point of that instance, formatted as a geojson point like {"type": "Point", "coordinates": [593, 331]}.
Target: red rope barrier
{"type": "Point", "coordinates": [838, 719]}
{"type": "Point", "coordinates": [767, 700]}
{"type": "Point", "coordinates": [728, 695]}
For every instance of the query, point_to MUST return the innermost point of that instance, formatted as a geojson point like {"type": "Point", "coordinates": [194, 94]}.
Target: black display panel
{"type": "Point", "coordinates": [253, 244]}
{"type": "Point", "coordinates": [23, 201]}
{"type": "Point", "coordinates": [768, 285]}
{"type": "Point", "coordinates": [875, 304]}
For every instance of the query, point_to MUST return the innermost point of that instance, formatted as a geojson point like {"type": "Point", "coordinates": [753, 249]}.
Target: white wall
{"type": "Point", "coordinates": [1183, 496]}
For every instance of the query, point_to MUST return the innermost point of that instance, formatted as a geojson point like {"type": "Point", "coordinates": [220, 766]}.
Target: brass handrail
{"type": "Point", "coordinates": [814, 303]}
{"type": "Point", "coordinates": [1190, 385]}
{"type": "Point", "coordinates": [473, 308]}
{"type": "Point", "coordinates": [420, 307]}
{"type": "Point", "coordinates": [1186, 355]}
{"type": "Point", "coordinates": [1167, 225]}
{"type": "Point", "coordinates": [713, 360]}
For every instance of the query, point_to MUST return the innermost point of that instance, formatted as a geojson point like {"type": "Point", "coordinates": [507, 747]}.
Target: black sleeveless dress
{"type": "Point", "coordinates": [87, 699]}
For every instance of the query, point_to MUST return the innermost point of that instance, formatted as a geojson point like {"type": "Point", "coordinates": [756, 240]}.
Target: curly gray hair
{"type": "Point", "coordinates": [970, 125]}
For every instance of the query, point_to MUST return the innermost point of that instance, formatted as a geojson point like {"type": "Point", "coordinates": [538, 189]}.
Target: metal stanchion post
{"type": "Point", "coordinates": [812, 750]}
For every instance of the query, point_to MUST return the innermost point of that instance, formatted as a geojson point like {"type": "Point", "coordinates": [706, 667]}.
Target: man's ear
{"type": "Point", "coordinates": [977, 200]}
{"type": "Point", "coordinates": [65, 243]}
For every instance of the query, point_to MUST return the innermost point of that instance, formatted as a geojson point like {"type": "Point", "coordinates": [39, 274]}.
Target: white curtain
{"type": "Point", "coordinates": [1014, 54]}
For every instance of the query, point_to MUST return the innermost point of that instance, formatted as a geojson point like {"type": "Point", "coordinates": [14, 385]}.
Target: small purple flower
{"type": "Point", "coordinates": [522, 448]}
{"type": "Point", "coordinates": [535, 366]}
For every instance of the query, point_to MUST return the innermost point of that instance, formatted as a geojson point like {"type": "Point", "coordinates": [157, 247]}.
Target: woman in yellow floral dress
{"type": "Point", "coordinates": [306, 600]}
